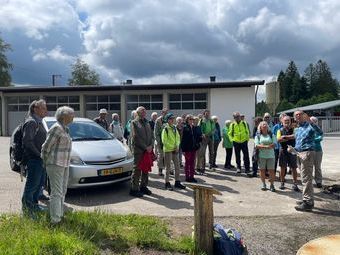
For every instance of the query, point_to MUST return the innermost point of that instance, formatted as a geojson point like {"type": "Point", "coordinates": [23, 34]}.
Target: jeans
{"type": "Point", "coordinates": [34, 181]}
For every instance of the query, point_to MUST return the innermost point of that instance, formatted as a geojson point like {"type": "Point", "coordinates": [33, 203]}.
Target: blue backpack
{"type": "Point", "coordinates": [228, 241]}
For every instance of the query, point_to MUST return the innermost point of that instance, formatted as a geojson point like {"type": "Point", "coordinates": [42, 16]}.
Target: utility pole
{"type": "Point", "coordinates": [54, 76]}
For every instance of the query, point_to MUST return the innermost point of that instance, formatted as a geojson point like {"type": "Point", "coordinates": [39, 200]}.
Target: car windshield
{"type": "Point", "coordinates": [85, 131]}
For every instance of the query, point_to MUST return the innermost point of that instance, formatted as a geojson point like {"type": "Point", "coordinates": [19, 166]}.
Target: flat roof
{"type": "Point", "coordinates": [231, 84]}
{"type": "Point", "coordinates": [320, 106]}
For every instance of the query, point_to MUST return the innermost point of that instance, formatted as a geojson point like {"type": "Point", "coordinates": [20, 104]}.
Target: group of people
{"type": "Point", "coordinates": [289, 144]}
{"type": "Point", "coordinates": [167, 139]}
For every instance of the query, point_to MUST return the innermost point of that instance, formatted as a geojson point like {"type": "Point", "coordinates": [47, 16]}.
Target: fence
{"type": "Point", "coordinates": [330, 124]}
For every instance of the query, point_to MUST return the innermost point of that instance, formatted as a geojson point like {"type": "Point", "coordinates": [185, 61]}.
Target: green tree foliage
{"type": "Point", "coordinates": [284, 105]}
{"type": "Point", "coordinates": [5, 67]}
{"type": "Point", "coordinates": [261, 108]}
{"type": "Point", "coordinates": [317, 80]}
{"type": "Point", "coordinates": [83, 75]}
{"type": "Point", "coordinates": [290, 84]}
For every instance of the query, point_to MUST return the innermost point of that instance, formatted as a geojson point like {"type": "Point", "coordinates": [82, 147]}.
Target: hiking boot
{"type": "Point", "coordinates": [145, 191]}
{"type": "Point", "coordinates": [272, 188]}
{"type": "Point", "coordinates": [168, 186]}
{"type": "Point", "coordinates": [136, 193]}
{"type": "Point", "coordinates": [178, 185]}
{"type": "Point", "coordinates": [282, 186]}
{"type": "Point", "coordinates": [304, 207]}
{"type": "Point", "coordinates": [160, 172]}
{"type": "Point", "coordinates": [300, 202]}
{"type": "Point", "coordinates": [232, 166]}
{"type": "Point", "coordinates": [172, 172]}
{"type": "Point", "coordinates": [296, 188]}
{"type": "Point", "coordinates": [238, 170]}
{"type": "Point", "coordinates": [319, 185]}
{"type": "Point", "coordinates": [193, 180]}
{"type": "Point", "coordinates": [264, 187]}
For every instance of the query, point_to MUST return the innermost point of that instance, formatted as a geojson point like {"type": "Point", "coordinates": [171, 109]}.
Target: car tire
{"type": "Point", "coordinates": [14, 166]}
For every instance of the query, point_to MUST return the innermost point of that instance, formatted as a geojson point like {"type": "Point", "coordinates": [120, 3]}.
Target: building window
{"type": "Point", "coordinates": [54, 102]}
{"type": "Point", "coordinates": [150, 102]}
{"type": "Point", "coordinates": [194, 101]}
{"type": "Point", "coordinates": [20, 103]}
{"type": "Point", "coordinates": [109, 102]}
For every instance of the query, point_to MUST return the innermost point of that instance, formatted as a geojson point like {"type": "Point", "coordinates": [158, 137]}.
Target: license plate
{"type": "Point", "coordinates": [111, 171]}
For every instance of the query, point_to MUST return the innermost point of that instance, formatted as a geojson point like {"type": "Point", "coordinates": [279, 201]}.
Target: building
{"type": "Point", "coordinates": [222, 98]}
{"type": "Point", "coordinates": [272, 95]}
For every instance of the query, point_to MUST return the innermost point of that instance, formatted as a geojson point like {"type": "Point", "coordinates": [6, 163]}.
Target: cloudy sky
{"type": "Point", "coordinates": [165, 41]}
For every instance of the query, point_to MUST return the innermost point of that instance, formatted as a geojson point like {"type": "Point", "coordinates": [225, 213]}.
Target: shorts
{"type": "Point", "coordinates": [287, 159]}
{"type": "Point", "coordinates": [266, 163]}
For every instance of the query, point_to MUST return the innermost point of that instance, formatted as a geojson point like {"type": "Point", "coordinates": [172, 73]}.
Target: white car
{"type": "Point", "coordinates": [97, 158]}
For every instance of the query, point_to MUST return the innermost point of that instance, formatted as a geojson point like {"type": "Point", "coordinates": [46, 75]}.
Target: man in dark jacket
{"type": "Point", "coordinates": [101, 119]}
{"type": "Point", "coordinates": [34, 135]}
{"type": "Point", "coordinates": [141, 142]}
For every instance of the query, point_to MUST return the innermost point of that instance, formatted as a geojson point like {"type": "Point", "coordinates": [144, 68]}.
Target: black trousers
{"type": "Point", "coordinates": [238, 147]}
{"type": "Point", "coordinates": [228, 155]}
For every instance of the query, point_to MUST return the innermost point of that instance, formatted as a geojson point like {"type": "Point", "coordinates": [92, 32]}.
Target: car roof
{"type": "Point", "coordinates": [74, 120]}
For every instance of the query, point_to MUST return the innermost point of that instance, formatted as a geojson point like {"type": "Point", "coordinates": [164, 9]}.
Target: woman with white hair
{"type": "Point", "coordinates": [56, 152]}
{"type": "Point", "coordinates": [228, 145]}
{"type": "Point", "coordinates": [265, 142]}
{"type": "Point", "coordinates": [116, 128]}
{"type": "Point", "coordinates": [317, 155]}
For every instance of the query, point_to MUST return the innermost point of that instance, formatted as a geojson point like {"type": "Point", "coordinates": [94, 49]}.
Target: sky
{"type": "Point", "coordinates": [165, 41]}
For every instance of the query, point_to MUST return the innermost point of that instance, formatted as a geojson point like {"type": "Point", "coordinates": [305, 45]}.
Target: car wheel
{"type": "Point", "coordinates": [14, 166]}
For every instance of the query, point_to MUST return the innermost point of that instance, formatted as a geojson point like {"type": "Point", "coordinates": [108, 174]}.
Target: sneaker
{"type": "Point", "coordinates": [264, 187]}
{"type": "Point", "coordinates": [319, 185]}
{"type": "Point", "coordinates": [304, 207]}
{"type": "Point", "coordinates": [168, 186]}
{"type": "Point", "coordinates": [296, 188]}
{"type": "Point", "coordinates": [272, 188]}
{"type": "Point", "coordinates": [136, 193]}
{"type": "Point", "coordinates": [300, 202]}
{"type": "Point", "coordinates": [282, 186]}
{"type": "Point", "coordinates": [172, 172]}
{"type": "Point", "coordinates": [238, 170]}
{"type": "Point", "coordinates": [178, 185]}
{"type": "Point", "coordinates": [193, 180]}
{"type": "Point", "coordinates": [145, 191]}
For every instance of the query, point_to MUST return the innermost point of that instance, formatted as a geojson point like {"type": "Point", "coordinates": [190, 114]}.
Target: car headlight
{"type": "Point", "coordinates": [128, 152]}
{"type": "Point", "coordinates": [76, 160]}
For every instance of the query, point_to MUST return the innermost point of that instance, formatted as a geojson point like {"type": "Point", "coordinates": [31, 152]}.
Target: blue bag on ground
{"type": "Point", "coordinates": [227, 241]}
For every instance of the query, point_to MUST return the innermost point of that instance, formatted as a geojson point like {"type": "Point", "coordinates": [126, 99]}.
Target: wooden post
{"type": "Point", "coordinates": [204, 217]}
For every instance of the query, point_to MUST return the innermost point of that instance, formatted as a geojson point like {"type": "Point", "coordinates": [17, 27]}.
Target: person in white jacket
{"type": "Point", "coordinates": [116, 127]}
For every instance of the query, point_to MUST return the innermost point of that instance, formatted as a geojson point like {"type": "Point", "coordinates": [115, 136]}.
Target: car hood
{"type": "Point", "coordinates": [104, 150]}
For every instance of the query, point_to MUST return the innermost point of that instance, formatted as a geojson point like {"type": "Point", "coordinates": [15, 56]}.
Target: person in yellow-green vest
{"type": "Point", "coordinates": [239, 134]}
{"type": "Point", "coordinates": [228, 145]}
{"type": "Point", "coordinates": [171, 141]}
{"type": "Point", "coordinates": [207, 126]}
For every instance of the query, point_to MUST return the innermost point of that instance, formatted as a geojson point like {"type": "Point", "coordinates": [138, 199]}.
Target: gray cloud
{"type": "Point", "coordinates": [180, 40]}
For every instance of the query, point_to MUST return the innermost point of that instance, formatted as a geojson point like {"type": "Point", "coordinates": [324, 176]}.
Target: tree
{"type": "Point", "coordinates": [284, 105]}
{"type": "Point", "coordinates": [261, 108]}
{"type": "Point", "coordinates": [83, 75]}
{"type": "Point", "coordinates": [325, 83]}
{"type": "Point", "coordinates": [291, 83]}
{"type": "Point", "coordinates": [280, 79]}
{"type": "Point", "coordinates": [5, 67]}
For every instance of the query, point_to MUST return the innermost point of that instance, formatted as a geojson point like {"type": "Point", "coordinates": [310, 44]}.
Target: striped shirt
{"type": "Point", "coordinates": [57, 148]}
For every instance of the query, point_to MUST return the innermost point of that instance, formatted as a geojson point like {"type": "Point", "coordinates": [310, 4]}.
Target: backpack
{"type": "Point", "coordinates": [228, 241]}
{"type": "Point", "coordinates": [18, 147]}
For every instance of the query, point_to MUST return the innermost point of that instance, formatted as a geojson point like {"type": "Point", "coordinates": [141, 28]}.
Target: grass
{"type": "Point", "coordinates": [88, 233]}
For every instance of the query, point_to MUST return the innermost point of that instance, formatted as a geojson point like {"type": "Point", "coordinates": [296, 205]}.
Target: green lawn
{"type": "Point", "coordinates": [87, 233]}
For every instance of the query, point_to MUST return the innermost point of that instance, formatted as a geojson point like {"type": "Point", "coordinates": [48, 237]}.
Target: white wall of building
{"type": "Point", "coordinates": [224, 101]}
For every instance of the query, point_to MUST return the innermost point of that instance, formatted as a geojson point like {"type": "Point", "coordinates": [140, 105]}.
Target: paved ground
{"type": "Point", "coordinates": [259, 215]}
